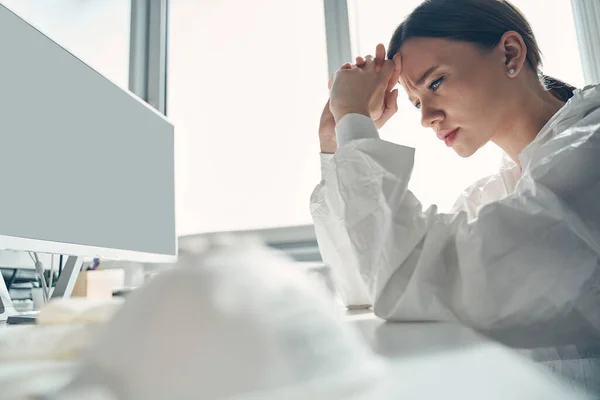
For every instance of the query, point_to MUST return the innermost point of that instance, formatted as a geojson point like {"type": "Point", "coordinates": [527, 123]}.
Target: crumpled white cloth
{"type": "Point", "coordinates": [235, 321]}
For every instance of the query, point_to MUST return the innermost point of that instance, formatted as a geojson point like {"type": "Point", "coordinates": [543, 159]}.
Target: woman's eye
{"type": "Point", "coordinates": [435, 85]}
{"type": "Point", "coordinates": [418, 105]}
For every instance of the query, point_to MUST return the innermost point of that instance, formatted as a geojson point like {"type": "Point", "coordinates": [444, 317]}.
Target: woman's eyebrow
{"type": "Point", "coordinates": [425, 75]}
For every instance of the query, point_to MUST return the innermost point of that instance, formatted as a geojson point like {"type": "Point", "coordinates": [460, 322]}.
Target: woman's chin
{"type": "Point", "coordinates": [464, 151]}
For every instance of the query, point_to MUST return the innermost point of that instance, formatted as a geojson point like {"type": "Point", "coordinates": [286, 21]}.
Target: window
{"type": "Point", "coordinates": [439, 174]}
{"type": "Point", "coordinates": [97, 32]}
{"type": "Point", "coordinates": [246, 85]}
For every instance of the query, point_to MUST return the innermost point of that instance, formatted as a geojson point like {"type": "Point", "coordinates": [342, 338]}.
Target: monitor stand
{"type": "Point", "coordinates": [6, 306]}
{"type": "Point", "coordinates": [63, 289]}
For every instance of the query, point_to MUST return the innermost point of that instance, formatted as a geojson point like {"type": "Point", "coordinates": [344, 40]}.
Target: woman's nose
{"type": "Point", "coordinates": [431, 116]}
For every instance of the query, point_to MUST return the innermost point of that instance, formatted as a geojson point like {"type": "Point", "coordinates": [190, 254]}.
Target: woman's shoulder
{"type": "Point", "coordinates": [572, 127]}
{"type": "Point", "coordinates": [579, 115]}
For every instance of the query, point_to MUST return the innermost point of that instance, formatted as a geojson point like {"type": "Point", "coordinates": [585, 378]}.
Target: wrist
{"type": "Point", "coordinates": [328, 142]}
{"type": "Point", "coordinates": [328, 149]}
{"type": "Point", "coordinates": [351, 110]}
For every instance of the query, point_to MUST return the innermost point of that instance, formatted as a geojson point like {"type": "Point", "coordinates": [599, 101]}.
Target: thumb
{"type": "Point", "coordinates": [386, 71]}
{"type": "Point", "coordinates": [391, 107]}
{"type": "Point", "coordinates": [391, 100]}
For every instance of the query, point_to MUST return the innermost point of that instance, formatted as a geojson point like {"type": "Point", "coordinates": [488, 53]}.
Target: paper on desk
{"type": "Point", "coordinates": [65, 328]}
{"type": "Point", "coordinates": [52, 342]}
{"type": "Point", "coordinates": [78, 310]}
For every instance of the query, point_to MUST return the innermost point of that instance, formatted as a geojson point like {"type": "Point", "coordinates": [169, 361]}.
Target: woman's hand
{"type": "Point", "coordinates": [327, 128]}
{"type": "Point", "coordinates": [366, 90]}
{"type": "Point", "coordinates": [327, 137]}
{"type": "Point", "coordinates": [390, 106]}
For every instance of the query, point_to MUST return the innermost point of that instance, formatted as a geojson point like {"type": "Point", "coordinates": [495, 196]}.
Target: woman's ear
{"type": "Point", "coordinates": [514, 50]}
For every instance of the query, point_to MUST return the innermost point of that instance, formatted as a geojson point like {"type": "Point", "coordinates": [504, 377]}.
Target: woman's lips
{"type": "Point", "coordinates": [448, 136]}
{"type": "Point", "coordinates": [451, 138]}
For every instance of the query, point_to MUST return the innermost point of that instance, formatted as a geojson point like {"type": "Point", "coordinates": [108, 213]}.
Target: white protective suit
{"type": "Point", "coordinates": [517, 258]}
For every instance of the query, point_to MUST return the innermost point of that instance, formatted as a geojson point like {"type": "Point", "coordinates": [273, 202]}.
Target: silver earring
{"type": "Point", "coordinates": [511, 71]}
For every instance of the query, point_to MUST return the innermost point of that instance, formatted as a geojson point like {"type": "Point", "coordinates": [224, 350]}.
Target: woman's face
{"type": "Point", "coordinates": [463, 92]}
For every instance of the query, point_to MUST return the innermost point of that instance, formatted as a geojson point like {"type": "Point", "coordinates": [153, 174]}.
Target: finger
{"type": "Point", "coordinates": [346, 66]}
{"type": "Point", "coordinates": [380, 53]}
{"type": "Point", "coordinates": [391, 71]}
{"type": "Point", "coordinates": [360, 62]}
{"type": "Point", "coordinates": [397, 59]}
{"type": "Point", "coordinates": [369, 63]}
{"type": "Point", "coordinates": [379, 56]}
{"type": "Point", "coordinates": [387, 71]}
{"type": "Point", "coordinates": [391, 100]}
{"type": "Point", "coordinates": [395, 94]}
{"type": "Point", "coordinates": [391, 108]}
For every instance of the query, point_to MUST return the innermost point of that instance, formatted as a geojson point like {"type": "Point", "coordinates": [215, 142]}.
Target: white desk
{"type": "Point", "coordinates": [32, 374]}
{"type": "Point", "coordinates": [427, 361]}
{"type": "Point", "coordinates": [445, 360]}
{"type": "Point", "coordinates": [395, 340]}
{"type": "Point", "coordinates": [21, 380]}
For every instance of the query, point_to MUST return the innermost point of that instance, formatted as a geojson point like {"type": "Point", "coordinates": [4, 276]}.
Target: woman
{"type": "Point", "coordinates": [518, 257]}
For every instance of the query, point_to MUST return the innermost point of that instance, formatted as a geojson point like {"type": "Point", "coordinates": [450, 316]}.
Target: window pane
{"type": "Point", "coordinates": [440, 175]}
{"type": "Point", "coordinates": [554, 29]}
{"type": "Point", "coordinates": [97, 32]}
{"type": "Point", "coordinates": [247, 82]}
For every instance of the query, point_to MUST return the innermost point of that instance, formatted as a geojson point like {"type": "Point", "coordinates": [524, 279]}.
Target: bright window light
{"type": "Point", "coordinates": [97, 32]}
{"type": "Point", "coordinates": [247, 83]}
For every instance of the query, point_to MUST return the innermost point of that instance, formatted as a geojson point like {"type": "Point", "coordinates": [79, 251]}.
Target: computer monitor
{"type": "Point", "coordinates": [86, 167]}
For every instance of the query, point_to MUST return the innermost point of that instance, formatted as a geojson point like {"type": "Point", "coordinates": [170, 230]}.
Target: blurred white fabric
{"type": "Point", "coordinates": [236, 320]}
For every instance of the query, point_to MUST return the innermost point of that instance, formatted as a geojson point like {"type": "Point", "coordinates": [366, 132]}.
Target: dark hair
{"type": "Point", "coordinates": [481, 22]}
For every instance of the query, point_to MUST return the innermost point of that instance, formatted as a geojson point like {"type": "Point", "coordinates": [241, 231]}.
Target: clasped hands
{"type": "Point", "coordinates": [366, 88]}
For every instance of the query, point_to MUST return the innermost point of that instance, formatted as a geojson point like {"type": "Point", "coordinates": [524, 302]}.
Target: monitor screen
{"type": "Point", "coordinates": [87, 168]}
